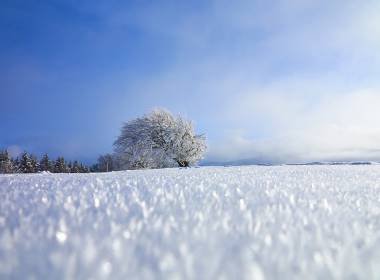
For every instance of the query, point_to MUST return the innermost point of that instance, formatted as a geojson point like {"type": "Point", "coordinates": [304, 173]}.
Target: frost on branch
{"type": "Point", "coordinates": [158, 140]}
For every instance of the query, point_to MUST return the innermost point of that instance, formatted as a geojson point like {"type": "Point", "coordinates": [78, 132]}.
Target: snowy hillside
{"type": "Point", "coordinates": [287, 222]}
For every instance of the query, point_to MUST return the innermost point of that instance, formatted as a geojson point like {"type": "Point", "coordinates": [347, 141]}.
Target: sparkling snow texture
{"type": "Point", "coordinates": [286, 222]}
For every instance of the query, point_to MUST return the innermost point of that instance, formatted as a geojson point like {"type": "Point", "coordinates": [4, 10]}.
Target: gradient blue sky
{"type": "Point", "coordinates": [272, 80]}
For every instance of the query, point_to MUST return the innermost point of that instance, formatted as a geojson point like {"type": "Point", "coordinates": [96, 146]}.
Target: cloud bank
{"type": "Point", "coordinates": [337, 128]}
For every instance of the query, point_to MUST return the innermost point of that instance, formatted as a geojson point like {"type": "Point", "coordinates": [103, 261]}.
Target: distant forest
{"type": "Point", "coordinates": [29, 163]}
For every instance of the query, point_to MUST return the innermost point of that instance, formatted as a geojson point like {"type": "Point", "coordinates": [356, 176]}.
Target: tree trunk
{"type": "Point", "coordinates": [182, 163]}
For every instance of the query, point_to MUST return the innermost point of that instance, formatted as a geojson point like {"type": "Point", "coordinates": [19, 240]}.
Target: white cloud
{"type": "Point", "coordinates": [338, 127]}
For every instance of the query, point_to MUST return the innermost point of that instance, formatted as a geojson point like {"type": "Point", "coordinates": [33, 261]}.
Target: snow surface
{"type": "Point", "coordinates": [284, 222]}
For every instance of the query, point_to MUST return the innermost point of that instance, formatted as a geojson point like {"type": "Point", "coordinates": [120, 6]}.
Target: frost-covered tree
{"type": "Point", "coordinates": [46, 164]}
{"type": "Point", "coordinates": [105, 163]}
{"type": "Point", "coordinates": [27, 164]}
{"type": "Point", "coordinates": [69, 167]}
{"type": "Point", "coordinates": [83, 168]}
{"type": "Point", "coordinates": [75, 168]}
{"type": "Point", "coordinates": [6, 164]}
{"type": "Point", "coordinates": [34, 163]}
{"type": "Point", "coordinates": [60, 165]}
{"type": "Point", "coordinates": [183, 146]}
{"type": "Point", "coordinates": [16, 165]}
{"type": "Point", "coordinates": [158, 140]}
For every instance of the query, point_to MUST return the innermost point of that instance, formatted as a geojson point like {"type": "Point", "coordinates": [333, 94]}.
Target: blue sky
{"type": "Point", "coordinates": [274, 80]}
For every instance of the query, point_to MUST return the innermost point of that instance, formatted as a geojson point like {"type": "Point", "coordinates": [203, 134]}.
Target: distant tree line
{"type": "Point", "coordinates": [29, 163]}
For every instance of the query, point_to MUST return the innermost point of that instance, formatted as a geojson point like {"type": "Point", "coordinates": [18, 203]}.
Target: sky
{"type": "Point", "coordinates": [273, 81]}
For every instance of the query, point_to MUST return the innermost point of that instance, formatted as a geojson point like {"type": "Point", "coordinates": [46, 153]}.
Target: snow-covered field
{"type": "Point", "coordinates": [285, 222]}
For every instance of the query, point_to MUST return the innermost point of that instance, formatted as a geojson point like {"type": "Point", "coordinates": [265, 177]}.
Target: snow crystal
{"type": "Point", "coordinates": [283, 222]}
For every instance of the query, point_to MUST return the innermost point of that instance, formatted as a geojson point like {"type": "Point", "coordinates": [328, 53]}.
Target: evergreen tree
{"type": "Point", "coordinates": [26, 164]}
{"type": "Point", "coordinates": [83, 168]}
{"type": "Point", "coordinates": [76, 167]}
{"type": "Point", "coordinates": [69, 167]}
{"type": "Point", "coordinates": [34, 163]}
{"type": "Point", "coordinates": [86, 169]}
{"type": "Point", "coordinates": [6, 165]}
{"type": "Point", "coordinates": [16, 165]}
{"type": "Point", "coordinates": [94, 168]}
{"type": "Point", "coordinates": [60, 165]}
{"type": "Point", "coordinates": [45, 163]}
